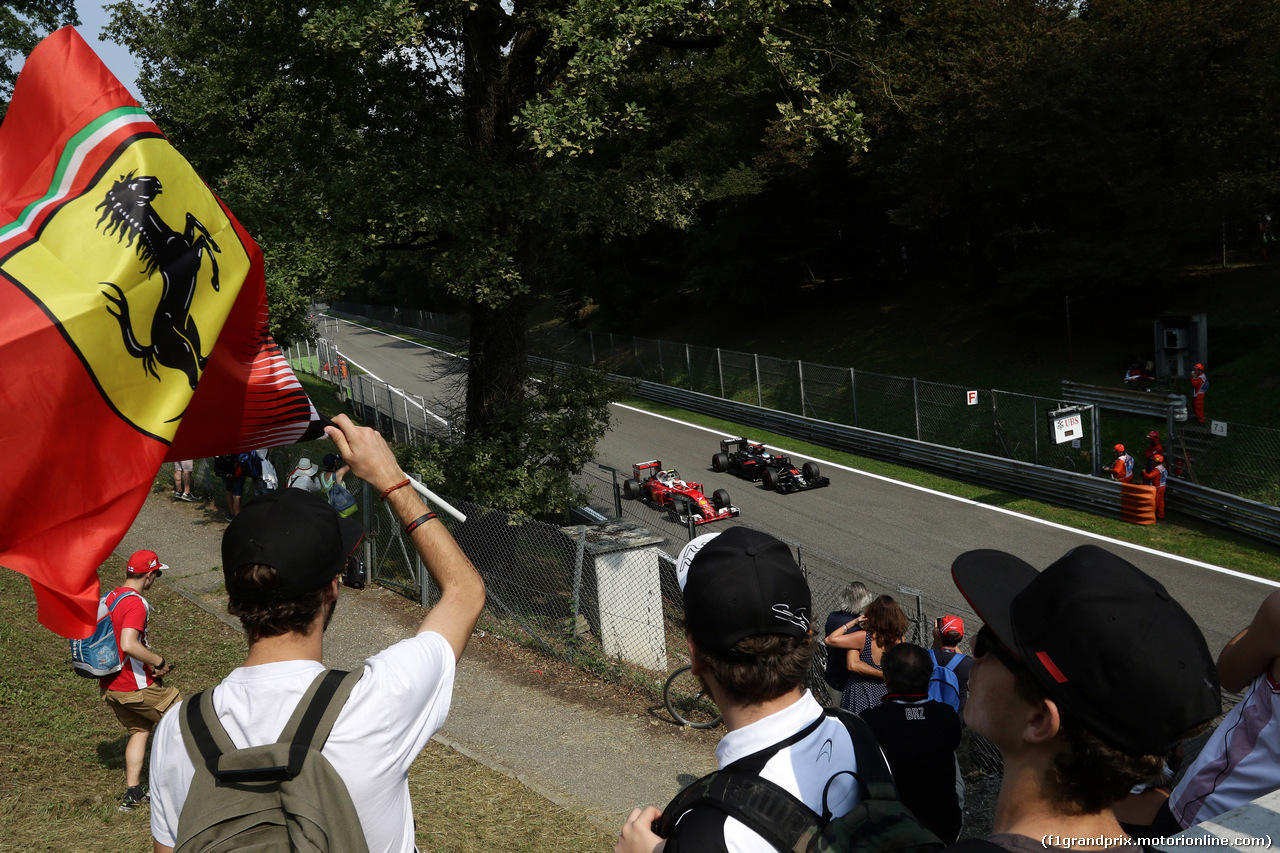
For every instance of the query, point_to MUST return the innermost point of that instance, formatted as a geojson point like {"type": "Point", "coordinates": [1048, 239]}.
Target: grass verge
{"type": "Point", "coordinates": [62, 751]}
{"type": "Point", "coordinates": [1175, 535]}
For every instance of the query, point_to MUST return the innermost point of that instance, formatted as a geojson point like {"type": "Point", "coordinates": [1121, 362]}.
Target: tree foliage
{"type": "Point", "coordinates": [23, 23]}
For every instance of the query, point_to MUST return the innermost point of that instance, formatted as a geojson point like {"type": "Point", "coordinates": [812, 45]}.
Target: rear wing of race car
{"type": "Point", "coordinates": [645, 470]}
{"type": "Point", "coordinates": [732, 445]}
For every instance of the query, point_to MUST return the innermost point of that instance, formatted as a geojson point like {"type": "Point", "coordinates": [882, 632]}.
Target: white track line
{"type": "Point", "coordinates": [1142, 548]}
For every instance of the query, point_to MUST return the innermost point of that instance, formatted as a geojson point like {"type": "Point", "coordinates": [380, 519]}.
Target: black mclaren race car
{"type": "Point", "coordinates": [749, 460]}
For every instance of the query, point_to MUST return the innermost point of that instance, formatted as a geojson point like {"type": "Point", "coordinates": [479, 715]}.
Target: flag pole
{"type": "Point", "coordinates": [427, 494]}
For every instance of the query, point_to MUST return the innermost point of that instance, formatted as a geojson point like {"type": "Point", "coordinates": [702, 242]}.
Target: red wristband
{"type": "Point", "coordinates": [391, 489]}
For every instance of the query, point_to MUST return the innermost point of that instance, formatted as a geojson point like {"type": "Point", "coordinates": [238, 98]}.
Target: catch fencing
{"type": "Point", "coordinates": [1241, 459]}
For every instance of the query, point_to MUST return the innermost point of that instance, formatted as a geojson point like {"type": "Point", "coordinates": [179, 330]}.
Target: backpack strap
{"type": "Point", "coordinates": [770, 811]}
{"type": "Point", "coordinates": [308, 727]}
{"type": "Point", "coordinates": [954, 662]}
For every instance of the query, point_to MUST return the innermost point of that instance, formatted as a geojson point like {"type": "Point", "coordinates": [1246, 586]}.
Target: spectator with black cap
{"type": "Point", "coordinates": [747, 620]}
{"type": "Point", "coordinates": [1080, 714]}
{"type": "Point", "coordinates": [281, 559]}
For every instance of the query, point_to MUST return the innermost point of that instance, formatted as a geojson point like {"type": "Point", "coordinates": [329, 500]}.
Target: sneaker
{"type": "Point", "coordinates": [228, 517]}
{"type": "Point", "coordinates": [187, 496]}
{"type": "Point", "coordinates": [134, 797]}
{"type": "Point", "coordinates": [177, 494]}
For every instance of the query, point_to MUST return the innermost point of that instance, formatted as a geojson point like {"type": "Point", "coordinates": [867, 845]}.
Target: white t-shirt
{"type": "Point", "coordinates": [306, 482]}
{"type": "Point", "coordinates": [802, 768]}
{"type": "Point", "coordinates": [1239, 763]}
{"type": "Point", "coordinates": [401, 700]}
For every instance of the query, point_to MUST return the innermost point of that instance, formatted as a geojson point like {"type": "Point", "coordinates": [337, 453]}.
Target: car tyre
{"type": "Point", "coordinates": [631, 488]}
{"type": "Point", "coordinates": [720, 498]}
{"type": "Point", "coordinates": [720, 462]}
{"type": "Point", "coordinates": [810, 470]}
{"type": "Point", "coordinates": [770, 479]}
{"type": "Point", "coordinates": [680, 507]}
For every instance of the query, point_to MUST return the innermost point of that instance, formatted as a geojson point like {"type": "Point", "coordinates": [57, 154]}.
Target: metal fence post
{"type": "Point", "coordinates": [915, 397]}
{"type": "Point", "coordinates": [853, 392]}
{"type": "Point", "coordinates": [591, 339]}
{"type": "Point", "coordinates": [662, 368]}
{"type": "Point", "coordinates": [577, 585]}
{"type": "Point", "coordinates": [408, 425]}
{"type": "Point", "coordinates": [688, 363]}
{"type": "Point", "coordinates": [1035, 427]}
{"type": "Point", "coordinates": [367, 507]}
{"type": "Point", "coordinates": [720, 370]}
{"type": "Point", "coordinates": [803, 411]}
{"type": "Point", "coordinates": [759, 394]}
{"type": "Point", "coordinates": [612, 354]}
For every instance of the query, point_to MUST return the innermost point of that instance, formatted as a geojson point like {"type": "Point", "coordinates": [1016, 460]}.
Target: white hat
{"type": "Point", "coordinates": [306, 466]}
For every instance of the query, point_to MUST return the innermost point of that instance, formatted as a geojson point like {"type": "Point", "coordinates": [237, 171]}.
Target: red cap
{"type": "Point", "coordinates": [950, 625]}
{"type": "Point", "coordinates": [145, 562]}
{"type": "Point", "coordinates": [1199, 367]}
{"type": "Point", "coordinates": [1158, 457]}
{"type": "Point", "coordinates": [1119, 448]}
{"type": "Point", "coordinates": [1154, 434]}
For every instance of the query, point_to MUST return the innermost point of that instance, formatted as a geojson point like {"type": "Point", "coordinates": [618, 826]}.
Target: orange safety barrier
{"type": "Point", "coordinates": [1138, 503]}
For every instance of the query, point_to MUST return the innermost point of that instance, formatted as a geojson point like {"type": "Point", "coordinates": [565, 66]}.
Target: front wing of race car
{"type": "Point", "coordinates": [798, 482]}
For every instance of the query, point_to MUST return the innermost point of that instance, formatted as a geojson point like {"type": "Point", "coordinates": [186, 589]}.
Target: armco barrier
{"type": "Point", "coordinates": [1078, 491]}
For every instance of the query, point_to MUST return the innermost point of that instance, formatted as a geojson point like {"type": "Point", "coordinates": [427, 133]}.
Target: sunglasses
{"type": "Point", "coordinates": [987, 642]}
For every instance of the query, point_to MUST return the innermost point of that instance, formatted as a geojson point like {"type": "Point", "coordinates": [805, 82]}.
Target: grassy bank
{"type": "Point", "coordinates": [62, 751]}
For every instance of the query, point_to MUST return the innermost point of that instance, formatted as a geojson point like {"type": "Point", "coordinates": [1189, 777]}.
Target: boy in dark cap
{"type": "Point", "coordinates": [747, 621]}
{"type": "Point", "coordinates": [281, 559]}
{"type": "Point", "coordinates": [1085, 676]}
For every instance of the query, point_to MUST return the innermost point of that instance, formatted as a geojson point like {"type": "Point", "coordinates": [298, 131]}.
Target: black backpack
{"type": "Point", "coordinates": [880, 823]}
{"type": "Point", "coordinates": [224, 466]}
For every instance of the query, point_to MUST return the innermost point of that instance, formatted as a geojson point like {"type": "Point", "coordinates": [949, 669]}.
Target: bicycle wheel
{"type": "Point", "coordinates": [688, 702]}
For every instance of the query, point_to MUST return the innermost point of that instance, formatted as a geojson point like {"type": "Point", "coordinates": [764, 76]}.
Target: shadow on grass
{"type": "Point", "coordinates": [111, 753]}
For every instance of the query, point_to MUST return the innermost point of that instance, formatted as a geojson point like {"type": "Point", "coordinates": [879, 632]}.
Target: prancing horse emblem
{"type": "Point", "coordinates": [175, 340]}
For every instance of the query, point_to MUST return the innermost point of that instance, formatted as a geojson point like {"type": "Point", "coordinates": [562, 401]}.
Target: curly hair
{"type": "Point", "coordinates": [761, 667]}
{"type": "Point", "coordinates": [272, 619]}
{"type": "Point", "coordinates": [1088, 776]}
{"type": "Point", "coordinates": [886, 623]}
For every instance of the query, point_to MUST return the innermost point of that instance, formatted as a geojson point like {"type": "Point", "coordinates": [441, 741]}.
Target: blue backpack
{"type": "Point", "coordinates": [944, 685]}
{"type": "Point", "coordinates": [99, 654]}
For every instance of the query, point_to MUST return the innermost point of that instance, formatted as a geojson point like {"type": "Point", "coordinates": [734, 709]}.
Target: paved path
{"type": "Point", "coordinates": [592, 761]}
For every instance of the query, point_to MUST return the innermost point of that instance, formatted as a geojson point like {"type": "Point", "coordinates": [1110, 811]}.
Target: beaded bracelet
{"type": "Point", "coordinates": [422, 519]}
{"type": "Point", "coordinates": [390, 489]}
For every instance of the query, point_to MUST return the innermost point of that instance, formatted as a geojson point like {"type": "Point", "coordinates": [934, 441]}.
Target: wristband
{"type": "Point", "coordinates": [399, 485]}
{"type": "Point", "coordinates": [161, 665]}
{"type": "Point", "coordinates": [420, 520]}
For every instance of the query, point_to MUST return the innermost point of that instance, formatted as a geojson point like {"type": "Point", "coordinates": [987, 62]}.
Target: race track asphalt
{"type": "Point", "coordinates": [886, 528]}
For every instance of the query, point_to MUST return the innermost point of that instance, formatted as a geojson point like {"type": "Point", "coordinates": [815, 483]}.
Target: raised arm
{"type": "Point", "coordinates": [847, 636]}
{"type": "Point", "coordinates": [1253, 649]}
{"type": "Point", "coordinates": [461, 589]}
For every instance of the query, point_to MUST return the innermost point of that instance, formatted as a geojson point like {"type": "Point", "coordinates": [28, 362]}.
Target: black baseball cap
{"type": "Point", "coordinates": [740, 583]}
{"type": "Point", "coordinates": [295, 532]}
{"type": "Point", "coordinates": [1104, 640]}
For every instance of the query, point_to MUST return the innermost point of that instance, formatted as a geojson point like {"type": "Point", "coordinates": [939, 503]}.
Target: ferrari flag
{"type": "Point", "coordinates": [133, 330]}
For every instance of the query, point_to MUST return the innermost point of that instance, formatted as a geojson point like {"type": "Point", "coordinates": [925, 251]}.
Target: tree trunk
{"type": "Point", "coordinates": [495, 378]}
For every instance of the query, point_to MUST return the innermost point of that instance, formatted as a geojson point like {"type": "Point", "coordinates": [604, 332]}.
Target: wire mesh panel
{"type": "Point", "coordinates": [885, 403]}
{"type": "Point", "coordinates": [780, 384]}
{"type": "Point", "coordinates": [1236, 458]}
{"type": "Point", "coordinates": [828, 394]}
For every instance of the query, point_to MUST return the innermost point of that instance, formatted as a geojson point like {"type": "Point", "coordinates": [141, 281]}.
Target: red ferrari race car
{"type": "Point", "coordinates": [665, 490]}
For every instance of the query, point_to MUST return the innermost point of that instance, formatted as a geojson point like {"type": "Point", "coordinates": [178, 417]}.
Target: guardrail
{"type": "Point", "coordinates": [1172, 406]}
{"type": "Point", "coordinates": [1064, 488]}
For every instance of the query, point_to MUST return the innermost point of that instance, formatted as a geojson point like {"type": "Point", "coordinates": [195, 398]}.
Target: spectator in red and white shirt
{"type": "Point", "coordinates": [136, 694]}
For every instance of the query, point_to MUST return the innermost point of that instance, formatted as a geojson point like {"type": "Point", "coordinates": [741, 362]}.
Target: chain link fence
{"type": "Point", "coordinates": [1239, 459]}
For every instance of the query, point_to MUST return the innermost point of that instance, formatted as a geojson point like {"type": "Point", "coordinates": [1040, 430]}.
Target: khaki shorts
{"type": "Point", "coordinates": [184, 465]}
{"type": "Point", "coordinates": [140, 710]}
